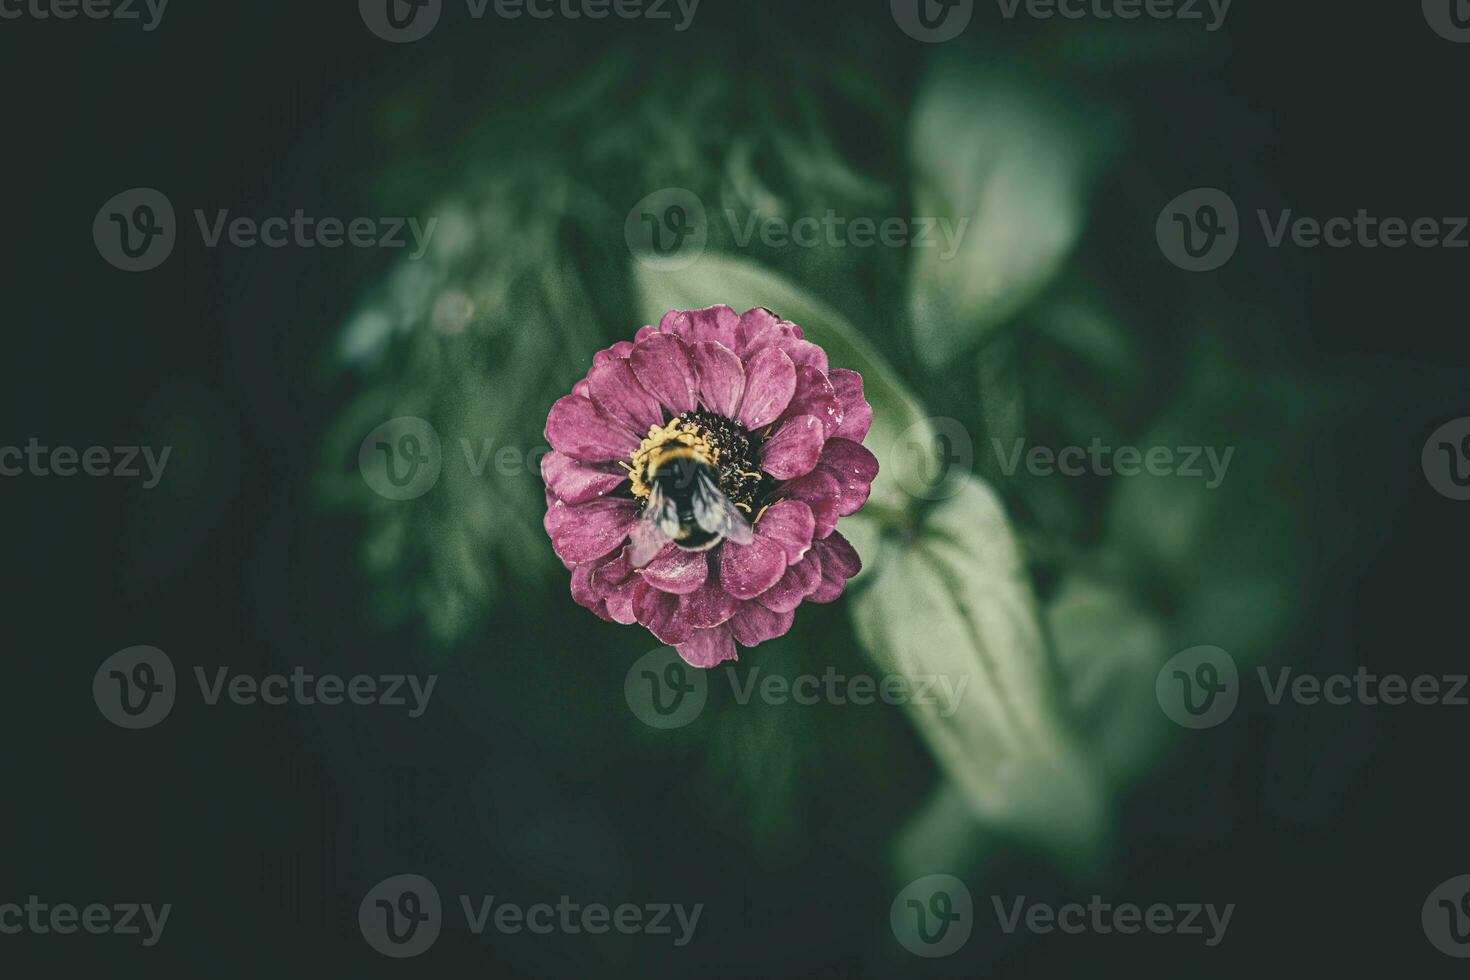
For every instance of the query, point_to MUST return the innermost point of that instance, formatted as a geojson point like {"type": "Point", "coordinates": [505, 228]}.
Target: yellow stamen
{"type": "Point", "coordinates": [677, 432]}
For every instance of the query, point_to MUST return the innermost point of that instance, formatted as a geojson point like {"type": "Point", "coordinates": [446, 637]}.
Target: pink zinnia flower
{"type": "Point", "coordinates": [697, 476]}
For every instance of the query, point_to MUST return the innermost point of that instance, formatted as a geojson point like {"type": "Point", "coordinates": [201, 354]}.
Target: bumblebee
{"type": "Point", "coordinates": [685, 505]}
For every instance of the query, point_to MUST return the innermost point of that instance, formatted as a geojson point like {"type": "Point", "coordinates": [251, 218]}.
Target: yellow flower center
{"type": "Point", "coordinates": [679, 432]}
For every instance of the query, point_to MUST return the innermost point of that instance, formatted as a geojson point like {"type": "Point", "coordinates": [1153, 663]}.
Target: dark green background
{"type": "Point", "coordinates": [528, 779]}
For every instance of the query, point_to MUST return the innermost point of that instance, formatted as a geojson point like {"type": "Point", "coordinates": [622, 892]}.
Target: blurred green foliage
{"type": "Point", "coordinates": [1058, 599]}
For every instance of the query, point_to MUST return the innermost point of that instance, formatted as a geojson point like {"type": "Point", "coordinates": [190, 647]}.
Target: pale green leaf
{"type": "Point", "coordinates": [1007, 171]}
{"type": "Point", "coordinates": [1109, 650]}
{"type": "Point", "coordinates": [955, 603]}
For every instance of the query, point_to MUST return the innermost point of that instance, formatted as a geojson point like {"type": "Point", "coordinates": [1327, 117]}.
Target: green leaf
{"type": "Point", "coordinates": [1109, 650]}
{"type": "Point", "coordinates": [1008, 171]}
{"type": "Point", "coordinates": [901, 436]}
{"type": "Point", "coordinates": [955, 603]}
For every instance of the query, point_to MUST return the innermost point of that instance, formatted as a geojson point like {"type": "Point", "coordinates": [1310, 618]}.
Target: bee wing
{"type": "Point", "coordinates": [656, 528]}
{"type": "Point", "coordinates": [714, 512]}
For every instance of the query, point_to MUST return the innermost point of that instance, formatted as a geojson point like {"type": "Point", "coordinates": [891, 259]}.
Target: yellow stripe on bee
{"type": "Point", "coordinates": [663, 456]}
{"type": "Point", "coordinates": [679, 439]}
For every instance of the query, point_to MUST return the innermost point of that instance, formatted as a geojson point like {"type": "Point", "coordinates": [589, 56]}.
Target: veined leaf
{"type": "Point", "coordinates": [1009, 171]}
{"type": "Point", "coordinates": [955, 604]}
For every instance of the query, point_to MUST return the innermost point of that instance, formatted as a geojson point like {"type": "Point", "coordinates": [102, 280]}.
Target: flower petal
{"type": "Point", "coordinates": [617, 352]}
{"type": "Point", "coordinates": [839, 563]}
{"type": "Point", "coordinates": [614, 581]}
{"type": "Point", "coordinates": [815, 396]}
{"type": "Point", "coordinates": [790, 524]}
{"type": "Point", "coordinates": [770, 381]}
{"type": "Point", "coordinates": [747, 570]}
{"type": "Point", "coordinates": [616, 391]}
{"type": "Point", "coordinates": [659, 612]}
{"type": "Point", "coordinates": [675, 322]}
{"type": "Point", "coordinates": [854, 468]}
{"type": "Point", "coordinates": [800, 581]}
{"type": "Point", "coordinates": [585, 593]}
{"type": "Point", "coordinates": [721, 377]}
{"type": "Point", "coordinates": [577, 428]}
{"type": "Point", "coordinates": [710, 604]}
{"type": "Point", "coordinates": [677, 570]}
{"type": "Point", "coordinates": [662, 363]}
{"type": "Point", "coordinates": [857, 414]}
{"type": "Point", "coordinates": [753, 624]}
{"type": "Point", "coordinates": [804, 353]}
{"type": "Point", "coordinates": [716, 323]}
{"type": "Point", "coordinates": [583, 532]}
{"type": "Point", "coordinates": [706, 648]}
{"type": "Point", "coordinates": [794, 449]}
{"type": "Point", "coordinates": [758, 328]}
{"type": "Point", "coordinates": [820, 491]}
{"type": "Point", "coordinates": [574, 482]}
